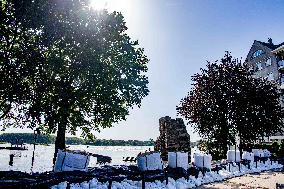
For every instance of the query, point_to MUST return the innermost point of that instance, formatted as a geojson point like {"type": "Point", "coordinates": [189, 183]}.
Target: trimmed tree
{"type": "Point", "coordinates": [226, 102]}
{"type": "Point", "coordinates": [92, 72]}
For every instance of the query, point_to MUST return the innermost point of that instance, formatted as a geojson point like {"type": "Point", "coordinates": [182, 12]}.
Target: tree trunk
{"type": "Point", "coordinates": [60, 139]}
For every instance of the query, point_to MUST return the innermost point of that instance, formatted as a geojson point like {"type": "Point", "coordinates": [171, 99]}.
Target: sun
{"type": "Point", "coordinates": [99, 4]}
{"type": "Point", "coordinates": [111, 5]}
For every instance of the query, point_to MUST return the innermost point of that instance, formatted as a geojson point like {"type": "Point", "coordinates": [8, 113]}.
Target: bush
{"type": "Point", "coordinates": [281, 149]}
{"type": "Point", "coordinates": [274, 148]}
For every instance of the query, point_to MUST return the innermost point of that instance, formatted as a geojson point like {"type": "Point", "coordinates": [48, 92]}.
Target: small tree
{"type": "Point", "coordinates": [226, 101]}
{"type": "Point", "coordinates": [281, 149]}
{"type": "Point", "coordinates": [275, 148]}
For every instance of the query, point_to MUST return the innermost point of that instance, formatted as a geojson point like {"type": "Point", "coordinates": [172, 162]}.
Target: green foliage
{"type": "Point", "coordinates": [274, 148]}
{"type": "Point", "coordinates": [281, 149]}
{"type": "Point", "coordinates": [20, 63]}
{"type": "Point", "coordinates": [226, 101]}
{"type": "Point", "coordinates": [103, 142]}
{"type": "Point", "coordinates": [83, 71]}
{"type": "Point", "coordinates": [50, 139]}
{"type": "Point", "coordinates": [26, 138]}
{"type": "Point", "coordinates": [213, 148]}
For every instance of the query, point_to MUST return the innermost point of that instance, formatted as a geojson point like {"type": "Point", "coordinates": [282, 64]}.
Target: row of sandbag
{"type": "Point", "coordinates": [235, 156]}
{"type": "Point", "coordinates": [153, 161]}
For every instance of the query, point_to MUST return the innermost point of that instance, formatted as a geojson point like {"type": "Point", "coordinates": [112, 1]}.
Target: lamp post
{"type": "Point", "coordinates": [36, 133]}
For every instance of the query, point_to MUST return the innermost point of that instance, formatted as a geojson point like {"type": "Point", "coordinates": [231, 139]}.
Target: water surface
{"type": "Point", "coordinates": [44, 156]}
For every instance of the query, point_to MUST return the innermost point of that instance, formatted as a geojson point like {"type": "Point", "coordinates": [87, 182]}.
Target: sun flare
{"type": "Point", "coordinates": [110, 5]}
{"type": "Point", "coordinates": [99, 4]}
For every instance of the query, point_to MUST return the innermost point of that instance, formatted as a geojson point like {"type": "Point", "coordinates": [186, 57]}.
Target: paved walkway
{"type": "Point", "coordinates": [264, 180]}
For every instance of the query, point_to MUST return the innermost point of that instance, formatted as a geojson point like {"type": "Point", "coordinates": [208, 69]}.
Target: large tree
{"type": "Point", "coordinates": [20, 61]}
{"type": "Point", "coordinates": [226, 101]}
{"type": "Point", "coordinates": [92, 72]}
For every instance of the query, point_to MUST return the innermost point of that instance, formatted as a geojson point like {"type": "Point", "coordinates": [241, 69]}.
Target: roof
{"type": "Point", "coordinates": [271, 45]}
{"type": "Point", "coordinates": [281, 48]}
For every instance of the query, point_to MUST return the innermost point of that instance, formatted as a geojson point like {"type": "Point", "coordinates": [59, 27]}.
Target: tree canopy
{"type": "Point", "coordinates": [20, 58]}
{"type": "Point", "coordinates": [83, 70]}
{"type": "Point", "coordinates": [226, 102]}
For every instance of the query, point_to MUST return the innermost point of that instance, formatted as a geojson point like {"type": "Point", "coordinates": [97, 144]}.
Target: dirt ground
{"type": "Point", "coordinates": [264, 180]}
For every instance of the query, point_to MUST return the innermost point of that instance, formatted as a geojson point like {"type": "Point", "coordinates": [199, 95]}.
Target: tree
{"type": "Point", "coordinates": [92, 72]}
{"type": "Point", "coordinates": [20, 60]}
{"type": "Point", "coordinates": [226, 101]}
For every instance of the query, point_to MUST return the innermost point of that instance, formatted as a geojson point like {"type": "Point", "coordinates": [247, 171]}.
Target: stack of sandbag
{"type": "Point", "coordinates": [150, 161]}
{"type": "Point", "coordinates": [202, 160]}
{"type": "Point", "coordinates": [71, 161]}
{"type": "Point", "coordinates": [248, 156]}
{"type": "Point", "coordinates": [178, 159]}
{"type": "Point", "coordinates": [233, 155]}
{"type": "Point", "coordinates": [258, 152]}
{"type": "Point", "coordinates": [266, 153]}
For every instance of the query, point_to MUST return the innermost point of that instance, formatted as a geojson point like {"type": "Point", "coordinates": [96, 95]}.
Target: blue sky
{"type": "Point", "coordinates": [178, 37]}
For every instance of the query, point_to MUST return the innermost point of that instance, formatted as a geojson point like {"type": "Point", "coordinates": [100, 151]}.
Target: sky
{"type": "Point", "coordinates": [179, 36]}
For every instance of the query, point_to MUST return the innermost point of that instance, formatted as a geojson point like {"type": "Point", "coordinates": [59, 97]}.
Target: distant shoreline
{"type": "Point", "coordinates": [28, 138]}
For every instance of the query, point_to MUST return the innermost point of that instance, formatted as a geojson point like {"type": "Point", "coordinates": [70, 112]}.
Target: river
{"type": "Point", "coordinates": [44, 155]}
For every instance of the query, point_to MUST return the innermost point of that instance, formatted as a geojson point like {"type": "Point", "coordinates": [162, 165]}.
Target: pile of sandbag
{"type": "Point", "coordinates": [202, 160]}
{"type": "Point", "coordinates": [266, 153]}
{"type": "Point", "coordinates": [71, 161]}
{"type": "Point", "coordinates": [233, 155]}
{"type": "Point", "coordinates": [178, 159]}
{"type": "Point", "coordinates": [149, 161]}
{"type": "Point", "coordinates": [248, 156]}
{"type": "Point", "coordinates": [261, 153]}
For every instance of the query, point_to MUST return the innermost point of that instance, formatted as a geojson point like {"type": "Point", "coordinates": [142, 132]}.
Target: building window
{"type": "Point", "coordinates": [282, 79]}
{"type": "Point", "coordinates": [270, 77]}
{"type": "Point", "coordinates": [258, 66]}
{"type": "Point", "coordinates": [281, 63]}
{"type": "Point", "coordinates": [268, 62]}
{"type": "Point", "coordinates": [257, 53]}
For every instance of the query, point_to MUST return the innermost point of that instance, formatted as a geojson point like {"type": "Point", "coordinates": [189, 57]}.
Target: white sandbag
{"type": "Point", "coordinates": [159, 161]}
{"type": "Point", "coordinates": [68, 161]}
{"type": "Point", "coordinates": [202, 160]}
{"type": "Point", "coordinates": [252, 157]}
{"type": "Point", "coordinates": [194, 154]}
{"type": "Point", "coordinates": [141, 162]}
{"type": "Point", "coordinates": [195, 151]}
{"type": "Point", "coordinates": [172, 159]}
{"type": "Point", "coordinates": [150, 162]}
{"type": "Point", "coordinates": [178, 159]}
{"type": "Point", "coordinates": [266, 153]}
{"type": "Point", "coordinates": [207, 161]}
{"type": "Point", "coordinates": [154, 161]}
{"type": "Point", "coordinates": [182, 160]}
{"type": "Point", "coordinates": [75, 162]}
{"type": "Point", "coordinates": [248, 156]}
{"type": "Point", "coordinates": [59, 161]}
{"type": "Point", "coordinates": [198, 159]}
{"type": "Point", "coordinates": [258, 152]}
{"type": "Point", "coordinates": [233, 155]}
{"type": "Point", "coordinates": [62, 185]}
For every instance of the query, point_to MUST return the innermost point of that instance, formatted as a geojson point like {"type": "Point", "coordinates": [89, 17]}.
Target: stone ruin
{"type": "Point", "coordinates": [173, 136]}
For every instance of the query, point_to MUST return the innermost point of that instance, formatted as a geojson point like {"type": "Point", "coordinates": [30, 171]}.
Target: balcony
{"type": "Point", "coordinates": [281, 65]}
